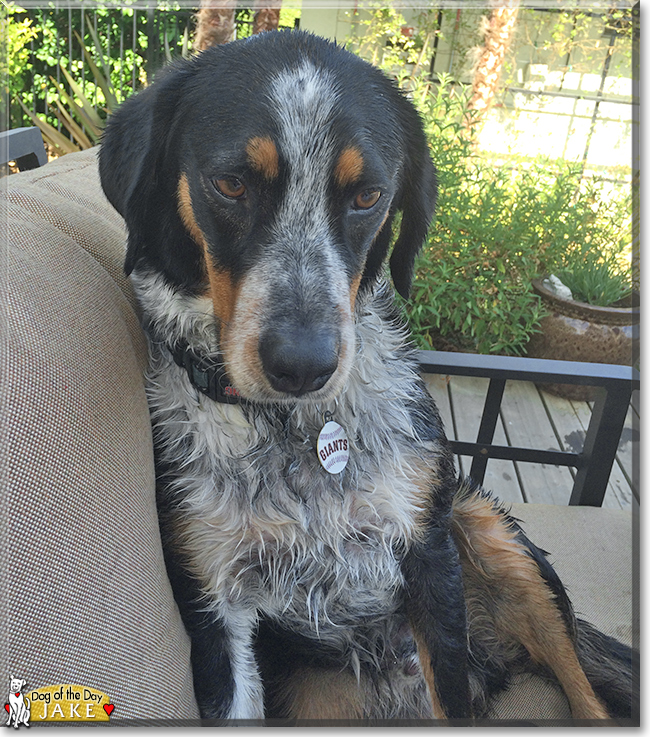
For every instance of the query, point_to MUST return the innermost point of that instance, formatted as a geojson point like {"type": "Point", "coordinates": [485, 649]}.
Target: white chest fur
{"type": "Point", "coordinates": [267, 529]}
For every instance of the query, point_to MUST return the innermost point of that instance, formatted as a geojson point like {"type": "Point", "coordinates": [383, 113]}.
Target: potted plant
{"type": "Point", "coordinates": [593, 314]}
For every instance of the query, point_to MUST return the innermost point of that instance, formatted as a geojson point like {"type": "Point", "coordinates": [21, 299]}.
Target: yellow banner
{"type": "Point", "coordinates": [68, 703]}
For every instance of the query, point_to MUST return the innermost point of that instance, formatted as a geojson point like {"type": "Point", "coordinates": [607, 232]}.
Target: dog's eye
{"type": "Point", "coordinates": [230, 187]}
{"type": "Point", "coordinates": [367, 199]}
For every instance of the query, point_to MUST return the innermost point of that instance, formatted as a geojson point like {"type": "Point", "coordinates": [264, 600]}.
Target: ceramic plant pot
{"type": "Point", "coordinates": [576, 331]}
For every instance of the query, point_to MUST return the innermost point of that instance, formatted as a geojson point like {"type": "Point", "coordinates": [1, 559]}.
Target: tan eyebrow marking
{"type": "Point", "coordinates": [349, 166]}
{"type": "Point", "coordinates": [263, 156]}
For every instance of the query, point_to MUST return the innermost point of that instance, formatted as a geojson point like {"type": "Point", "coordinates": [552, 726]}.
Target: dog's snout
{"type": "Point", "coordinates": [299, 360]}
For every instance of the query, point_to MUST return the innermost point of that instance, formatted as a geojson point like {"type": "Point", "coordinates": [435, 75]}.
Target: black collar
{"type": "Point", "coordinates": [208, 375]}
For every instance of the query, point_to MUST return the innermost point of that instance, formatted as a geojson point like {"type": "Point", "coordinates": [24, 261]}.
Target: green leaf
{"type": "Point", "coordinates": [67, 121]}
{"type": "Point", "coordinates": [101, 81]}
{"type": "Point", "coordinates": [87, 122]}
{"type": "Point", "coordinates": [98, 46]}
{"type": "Point", "coordinates": [185, 48]}
{"type": "Point", "coordinates": [87, 107]}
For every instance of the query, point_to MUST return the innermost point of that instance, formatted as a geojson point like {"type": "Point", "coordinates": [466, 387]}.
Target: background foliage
{"type": "Point", "coordinates": [498, 224]}
{"type": "Point", "coordinates": [133, 43]}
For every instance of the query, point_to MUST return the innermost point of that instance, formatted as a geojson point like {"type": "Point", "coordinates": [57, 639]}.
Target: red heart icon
{"type": "Point", "coordinates": [7, 707]}
{"type": "Point", "coordinates": [108, 708]}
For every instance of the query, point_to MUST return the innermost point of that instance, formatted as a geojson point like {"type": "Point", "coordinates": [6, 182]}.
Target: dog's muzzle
{"type": "Point", "coordinates": [298, 360]}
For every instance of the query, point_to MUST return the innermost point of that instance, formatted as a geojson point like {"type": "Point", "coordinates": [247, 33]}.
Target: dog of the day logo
{"type": "Point", "coordinates": [59, 703]}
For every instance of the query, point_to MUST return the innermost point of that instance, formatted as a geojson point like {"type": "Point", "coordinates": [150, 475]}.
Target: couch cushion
{"type": "Point", "coordinates": [88, 598]}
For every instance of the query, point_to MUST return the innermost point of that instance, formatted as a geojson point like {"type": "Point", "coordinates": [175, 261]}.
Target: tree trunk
{"type": "Point", "coordinates": [267, 15]}
{"type": "Point", "coordinates": [215, 23]}
{"type": "Point", "coordinates": [487, 72]}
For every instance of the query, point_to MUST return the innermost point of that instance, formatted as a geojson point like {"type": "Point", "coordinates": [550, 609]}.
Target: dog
{"type": "Point", "coordinates": [19, 704]}
{"type": "Point", "coordinates": [260, 183]}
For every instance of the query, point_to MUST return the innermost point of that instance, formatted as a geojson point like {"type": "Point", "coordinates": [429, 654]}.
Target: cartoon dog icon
{"type": "Point", "coordinates": [19, 705]}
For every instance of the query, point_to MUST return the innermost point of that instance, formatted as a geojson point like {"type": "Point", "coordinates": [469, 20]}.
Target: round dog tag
{"type": "Point", "coordinates": [332, 447]}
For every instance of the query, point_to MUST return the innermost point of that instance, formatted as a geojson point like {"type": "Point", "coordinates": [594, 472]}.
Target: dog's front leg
{"type": "Point", "coordinates": [248, 694]}
{"type": "Point", "coordinates": [211, 667]}
{"type": "Point", "coordinates": [227, 684]}
{"type": "Point", "coordinates": [435, 605]}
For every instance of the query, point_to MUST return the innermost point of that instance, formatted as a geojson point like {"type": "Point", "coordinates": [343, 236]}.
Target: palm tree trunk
{"type": "Point", "coordinates": [267, 15]}
{"type": "Point", "coordinates": [487, 72]}
{"type": "Point", "coordinates": [215, 23]}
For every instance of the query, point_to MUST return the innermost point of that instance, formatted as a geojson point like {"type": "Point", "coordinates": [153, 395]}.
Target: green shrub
{"type": "Point", "coordinates": [75, 111]}
{"type": "Point", "coordinates": [115, 37]}
{"type": "Point", "coordinates": [16, 32]}
{"type": "Point", "coordinates": [498, 226]}
{"type": "Point", "coordinates": [597, 267]}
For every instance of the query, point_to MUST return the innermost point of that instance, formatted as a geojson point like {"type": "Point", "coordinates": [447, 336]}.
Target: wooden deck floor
{"type": "Point", "coordinates": [534, 418]}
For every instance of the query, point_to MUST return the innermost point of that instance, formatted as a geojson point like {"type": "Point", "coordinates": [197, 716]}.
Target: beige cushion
{"type": "Point", "coordinates": [87, 598]}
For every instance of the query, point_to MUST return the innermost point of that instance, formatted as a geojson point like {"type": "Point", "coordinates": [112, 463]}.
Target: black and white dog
{"type": "Point", "coordinates": [326, 560]}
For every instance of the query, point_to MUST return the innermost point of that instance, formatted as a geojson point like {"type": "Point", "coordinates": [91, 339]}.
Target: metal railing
{"type": "Point", "coordinates": [594, 463]}
{"type": "Point", "coordinates": [135, 40]}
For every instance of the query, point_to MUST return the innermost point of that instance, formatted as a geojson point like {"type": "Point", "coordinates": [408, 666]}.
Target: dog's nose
{"type": "Point", "coordinates": [299, 360]}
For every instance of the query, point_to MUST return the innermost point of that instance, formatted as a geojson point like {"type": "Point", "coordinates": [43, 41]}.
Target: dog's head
{"type": "Point", "coordinates": [16, 685]}
{"type": "Point", "coordinates": [264, 175]}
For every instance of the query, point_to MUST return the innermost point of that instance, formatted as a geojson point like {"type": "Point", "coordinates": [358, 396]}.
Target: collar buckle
{"type": "Point", "coordinates": [207, 375]}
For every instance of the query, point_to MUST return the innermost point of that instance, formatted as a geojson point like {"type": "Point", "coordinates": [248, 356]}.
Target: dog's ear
{"type": "Point", "coordinates": [138, 163]}
{"type": "Point", "coordinates": [416, 199]}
